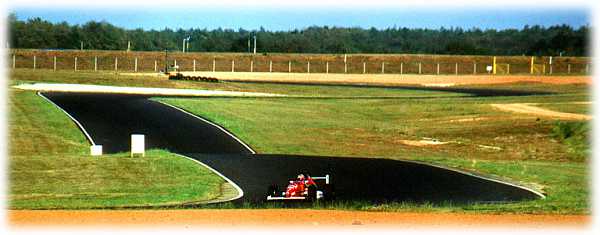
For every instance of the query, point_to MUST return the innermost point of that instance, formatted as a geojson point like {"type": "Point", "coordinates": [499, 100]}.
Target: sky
{"type": "Point", "coordinates": [298, 17]}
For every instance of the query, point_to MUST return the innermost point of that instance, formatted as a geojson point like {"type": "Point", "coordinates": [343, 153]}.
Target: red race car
{"type": "Point", "coordinates": [303, 188]}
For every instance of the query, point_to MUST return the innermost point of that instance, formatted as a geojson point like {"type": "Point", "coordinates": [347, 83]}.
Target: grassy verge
{"type": "Point", "coordinates": [49, 167]}
{"type": "Point", "coordinates": [514, 147]}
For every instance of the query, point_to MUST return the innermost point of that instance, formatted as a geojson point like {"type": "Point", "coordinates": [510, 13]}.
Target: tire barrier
{"type": "Point", "coordinates": [179, 76]}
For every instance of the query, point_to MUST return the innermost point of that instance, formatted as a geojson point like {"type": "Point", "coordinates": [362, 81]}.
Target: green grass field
{"type": "Point", "coordinates": [49, 167]}
{"type": "Point", "coordinates": [518, 148]}
{"type": "Point", "coordinates": [524, 149]}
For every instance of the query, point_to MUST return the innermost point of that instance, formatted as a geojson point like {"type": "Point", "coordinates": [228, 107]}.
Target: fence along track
{"type": "Point", "coordinates": [122, 61]}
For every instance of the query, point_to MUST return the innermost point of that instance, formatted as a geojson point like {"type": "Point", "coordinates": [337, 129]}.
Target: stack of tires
{"type": "Point", "coordinates": [179, 76]}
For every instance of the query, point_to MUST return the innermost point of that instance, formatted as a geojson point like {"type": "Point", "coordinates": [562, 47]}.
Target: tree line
{"type": "Point", "coordinates": [530, 40]}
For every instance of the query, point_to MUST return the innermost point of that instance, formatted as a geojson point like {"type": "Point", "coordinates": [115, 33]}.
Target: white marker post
{"type": "Point", "coordinates": [550, 62]}
{"type": "Point", "coordinates": [137, 145]}
{"type": "Point", "coordinates": [96, 150]}
{"type": "Point", "coordinates": [456, 69]}
{"type": "Point", "coordinates": [401, 68]}
{"type": "Point", "coordinates": [364, 67]}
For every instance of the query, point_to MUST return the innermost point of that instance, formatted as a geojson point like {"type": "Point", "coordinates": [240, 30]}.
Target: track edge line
{"type": "Point", "coordinates": [87, 135]}
{"type": "Point", "coordinates": [541, 195]}
{"type": "Point", "coordinates": [211, 123]}
{"type": "Point", "coordinates": [240, 191]}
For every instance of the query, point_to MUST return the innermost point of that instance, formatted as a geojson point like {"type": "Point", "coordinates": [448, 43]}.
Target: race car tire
{"type": "Point", "coordinates": [273, 191]}
{"type": "Point", "coordinates": [312, 193]}
{"type": "Point", "coordinates": [328, 192]}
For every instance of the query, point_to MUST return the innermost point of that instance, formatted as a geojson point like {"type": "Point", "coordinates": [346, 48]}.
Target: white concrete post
{"type": "Point", "coordinates": [327, 67]}
{"type": "Point", "coordinates": [54, 64]}
{"type": "Point", "coordinates": [14, 61]}
{"type": "Point", "coordinates": [270, 66]}
{"type": "Point", "coordinates": [289, 66]}
{"type": "Point", "coordinates": [194, 65]}
{"type": "Point", "coordinates": [135, 65]}
{"type": "Point", "coordinates": [382, 67]}
{"type": "Point", "coordinates": [137, 145]}
{"type": "Point", "coordinates": [507, 68]}
{"type": "Point", "coordinates": [419, 67]}
{"type": "Point", "coordinates": [308, 67]}
{"type": "Point", "coordinates": [587, 68]}
{"type": "Point", "coordinates": [252, 66]}
{"type": "Point", "coordinates": [345, 66]}
{"type": "Point", "coordinates": [474, 68]}
{"type": "Point", "coordinates": [95, 63]}
{"type": "Point", "coordinates": [401, 68]}
{"type": "Point", "coordinates": [214, 64]}
{"type": "Point", "coordinates": [155, 65]}
{"type": "Point", "coordinates": [456, 69]}
{"type": "Point", "coordinates": [75, 63]}
{"type": "Point", "coordinates": [568, 68]}
{"type": "Point", "coordinates": [438, 69]}
{"type": "Point", "coordinates": [96, 150]}
{"type": "Point", "coordinates": [34, 65]}
{"type": "Point", "coordinates": [175, 63]}
{"type": "Point", "coordinates": [116, 63]}
{"type": "Point", "coordinates": [364, 67]}
{"type": "Point", "coordinates": [232, 65]}
{"type": "Point", "coordinates": [550, 64]}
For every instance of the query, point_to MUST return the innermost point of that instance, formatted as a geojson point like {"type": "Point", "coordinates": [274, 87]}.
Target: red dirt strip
{"type": "Point", "coordinates": [273, 218]}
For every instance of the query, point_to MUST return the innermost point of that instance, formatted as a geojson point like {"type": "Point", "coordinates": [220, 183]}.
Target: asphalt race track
{"type": "Point", "coordinates": [110, 119]}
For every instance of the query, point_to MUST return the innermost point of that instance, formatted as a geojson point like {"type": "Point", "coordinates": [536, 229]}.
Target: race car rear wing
{"type": "Point", "coordinates": [326, 178]}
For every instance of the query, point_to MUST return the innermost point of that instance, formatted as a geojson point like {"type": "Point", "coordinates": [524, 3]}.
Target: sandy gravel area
{"type": "Point", "coordinates": [136, 90]}
{"type": "Point", "coordinates": [392, 79]}
{"type": "Point", "coordinates": [527, 108]}
{"type": "Point", "coordinates": [269, 218]}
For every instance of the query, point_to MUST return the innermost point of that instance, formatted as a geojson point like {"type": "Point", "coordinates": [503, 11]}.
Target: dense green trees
{"type": "Point", "coordinates": [531, 40]}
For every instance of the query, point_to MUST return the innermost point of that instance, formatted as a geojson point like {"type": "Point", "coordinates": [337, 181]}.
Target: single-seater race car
{"type": "Point", "coordinates": [303, 188]}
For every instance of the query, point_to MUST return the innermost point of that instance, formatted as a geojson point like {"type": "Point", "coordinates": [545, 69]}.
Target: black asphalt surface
{"type": "Point", "coordinates": [110, 119]}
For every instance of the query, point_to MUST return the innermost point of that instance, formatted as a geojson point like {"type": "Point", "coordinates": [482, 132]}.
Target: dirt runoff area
{"type": "Point", "coordinates": [392, 79]}
{"type": "Point", "coordinates": [528, 108]}
{"type": "Point", "coordinates": [275, 218]}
